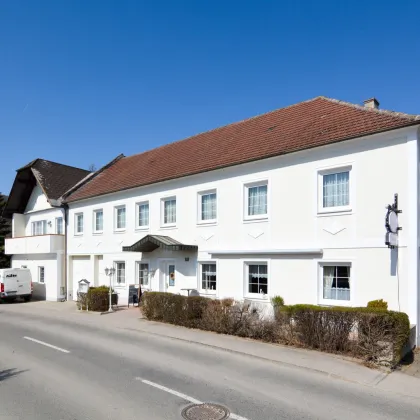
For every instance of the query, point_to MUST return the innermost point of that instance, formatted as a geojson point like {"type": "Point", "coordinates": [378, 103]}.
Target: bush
{"type": "Point", "coordinates": [374, 334]}
{"type": "Point", "coordinates": [277, 301]}
{"type": "Point", "coordinates": [96, 299]}
{"type": "Point", "coordinates": [379, 304]}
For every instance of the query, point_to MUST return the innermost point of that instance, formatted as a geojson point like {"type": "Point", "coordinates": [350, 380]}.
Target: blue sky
{"type": "Point", "coordinates": [83, 81]}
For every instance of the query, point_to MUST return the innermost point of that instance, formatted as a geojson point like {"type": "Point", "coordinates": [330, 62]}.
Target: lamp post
{"type": "Point", "coordinates": [110, 272]}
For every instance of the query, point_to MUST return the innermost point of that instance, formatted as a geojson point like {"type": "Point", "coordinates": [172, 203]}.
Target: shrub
{"type": "Point", "coordinates": [96, 299]}
{"type": "Point", "coordinates": [379, 304]}
{"type": "Point", "coordinates": [277, 301]}
{"type": "Point", "coordinates": [374, 334]}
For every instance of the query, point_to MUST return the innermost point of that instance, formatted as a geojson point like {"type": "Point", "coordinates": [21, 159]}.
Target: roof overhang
{"type": "Point", "coordinates": [20, 193]}
{"type": "Point", "coordinates": [305, 251]}
{"type": "Point", "coordinates": [151, 242]}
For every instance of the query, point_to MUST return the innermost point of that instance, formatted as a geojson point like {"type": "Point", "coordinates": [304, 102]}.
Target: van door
{"type": "Point", "coordinates": [24, 281]}
{"type": "Point", "coordinates": [10, 282]}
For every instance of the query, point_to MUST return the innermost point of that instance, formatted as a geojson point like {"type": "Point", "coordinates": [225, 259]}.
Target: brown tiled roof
{"type": "Point", "coordinates": [316, 122]}
{"type": "Point", "coordinates": [54, 179]}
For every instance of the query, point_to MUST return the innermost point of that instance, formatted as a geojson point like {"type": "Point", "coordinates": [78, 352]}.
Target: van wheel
{"type": "Point", "coordinates": [27, 298]}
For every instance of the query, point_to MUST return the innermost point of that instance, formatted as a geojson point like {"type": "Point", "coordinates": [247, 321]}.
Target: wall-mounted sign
{"type": "Point", "coordinates": [391, 224]}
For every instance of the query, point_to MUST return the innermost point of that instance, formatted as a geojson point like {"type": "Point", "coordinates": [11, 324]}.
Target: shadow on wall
{"type": "Point", "coordinates": [9, 373]}
{"type": "Point", "coordinates": [39, 292]}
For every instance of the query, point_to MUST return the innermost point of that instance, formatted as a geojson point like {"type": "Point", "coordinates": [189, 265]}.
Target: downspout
{"type": "Point", "coordinates": [65, 208]}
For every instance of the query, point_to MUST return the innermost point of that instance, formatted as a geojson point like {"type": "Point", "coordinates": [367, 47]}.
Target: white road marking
{"type": "Point", "coordinates": [183, 396]}
{"type": "Point", "coordinates": [46, 344]}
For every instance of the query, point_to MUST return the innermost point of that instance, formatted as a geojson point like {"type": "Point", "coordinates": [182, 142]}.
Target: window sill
{"type": "Point", "coordinates": [142, 228]}
{"type": "Point", "coordinates": [257, 298]}
{"type": "Point", "coordinates": [207, 223]}
{"type": "Point", "coordinates": [261, 219]}
{"type": "Point", "coordinates": [203, 292]}
{"type": "Point", "coordinates": [335, 211]}
{"type": "Point", "coordinates": [119, 231]}
{"type": "Point", "coordinates": [97, 233]}
{"type": "Point", "coordinates": [332, 302]}
{"type": "Point", "coordinates": [168, 226]}
{"type": "Point", "coordinates": [78, 234]}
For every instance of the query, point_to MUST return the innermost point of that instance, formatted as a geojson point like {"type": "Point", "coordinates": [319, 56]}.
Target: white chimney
{"type": "Point", "coordinates": [371, 103]}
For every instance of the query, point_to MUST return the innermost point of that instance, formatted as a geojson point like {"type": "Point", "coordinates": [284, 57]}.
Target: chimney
{"type": "Point", "coordinates": [371, 103]}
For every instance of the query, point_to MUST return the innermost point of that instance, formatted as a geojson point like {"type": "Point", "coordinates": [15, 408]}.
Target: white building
{"type": "Point", "coordinates": [38, 224]}
{"type": "Point", "coordinates": [288, 203]}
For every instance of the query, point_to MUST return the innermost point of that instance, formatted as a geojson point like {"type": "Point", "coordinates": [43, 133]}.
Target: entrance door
{"type": "Point", "coordinates": [167, 276]}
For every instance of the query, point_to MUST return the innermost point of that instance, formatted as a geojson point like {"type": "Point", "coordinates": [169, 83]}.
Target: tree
{"type": "Point", "coordinates": [5, 231]}
{"type": "Point", "coordinates": [92, 167]}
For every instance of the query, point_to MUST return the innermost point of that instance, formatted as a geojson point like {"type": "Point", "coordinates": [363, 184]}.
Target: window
{"type": "Point", "coordinates": [41, 274]}
{"type": "Point", "coordinates": [207, 206]}
{"type": "Point", "coordinates": [143, 214]}
{"type": "Point", "coordinates": [120, 218]}
{"type": "Point", "coordinates": [334, 190]}
{"type": "Point", "coordinates": [98, 221]}
{"type": "Point", "coordinates": [143, 273]}
{"type": "Point", "coordinates": [208, 276]}
{"type": "Point", "coordinates": [169, 211]}
{"type": "Point", "coordinates": [78, 223]}
{"type": "Point", "coordinates": [120, 272]}
{"type": "Point", "coordinates": [256, 201]}
{"type": "Point", "coordinates": [59, 227]}
{"type": "Point", "coordinates": [257, 276]}
{"type": "Point", "coordinates": [39, 227]}
{"type": "Point", "coordinates": [336, 282]}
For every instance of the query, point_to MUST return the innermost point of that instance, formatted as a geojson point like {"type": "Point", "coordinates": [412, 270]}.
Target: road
{"type": "Point", "coordinates": [52, 368]}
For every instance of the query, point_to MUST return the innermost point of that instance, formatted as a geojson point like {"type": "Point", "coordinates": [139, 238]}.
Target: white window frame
{"type": "Point", "coordinates": [246, 187]}
{"type": "Point", "coordinates": [56, 225]}
{"type": "Point", "coordinates": [200, 282]}
{"type": "Point", "coordinates": [334, 302]}
{"type": "Point", "coordinates": [320, 181]}
{"type": "Point", "coordinates": [247, 294]}
{"type": "Point", "coordinates": [44, 227]}
{"type": "Point", "coordinates": [94, 221]}
{"type": "Point", "coordinates": [162, 211]}
{"type": "Point", "coordinates": [41, 278]}
{"type": "Point", "coordinates": [76, 225]}
{"type": "Point", "coordinates": [200, 219]}
{"type": "Point", "coordinates": [137, 277]}
{"type": "Point", "coordinates": [138, 205]}
{"type": "Point", "coordinates": [116, 284]}
{"type": "Point", "coordinates": [116, 228]}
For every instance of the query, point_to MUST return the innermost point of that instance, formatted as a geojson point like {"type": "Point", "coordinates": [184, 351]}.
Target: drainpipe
{"type": "Point", "coordinates": [65, 208]}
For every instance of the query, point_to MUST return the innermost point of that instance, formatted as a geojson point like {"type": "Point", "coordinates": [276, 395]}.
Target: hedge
{"type": "Point", "coordinates": [96, 299]}
{"type": "Point", "coordinates": [373, 334]}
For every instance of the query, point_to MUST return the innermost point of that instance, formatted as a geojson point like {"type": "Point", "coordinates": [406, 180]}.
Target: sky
{"type": "Point", "coordinates": [84, 81]}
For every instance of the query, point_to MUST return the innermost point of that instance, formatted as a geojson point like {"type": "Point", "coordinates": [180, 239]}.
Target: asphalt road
{"type": "Point", "coordinates": [91, 373]}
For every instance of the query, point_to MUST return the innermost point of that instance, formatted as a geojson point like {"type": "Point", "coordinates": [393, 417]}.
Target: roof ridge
{"type": "Point", "coordinates": [226, 125]}
{"type": "Point", "coordinates": [90, 176]}
{"type": "Point", "coordinates": [414, 117]}
{"type": "Point", "coordinates": [33, 162]}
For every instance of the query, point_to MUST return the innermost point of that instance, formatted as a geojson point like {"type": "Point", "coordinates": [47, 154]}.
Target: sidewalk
{"type": "Point", "coordinates": [130, 320]}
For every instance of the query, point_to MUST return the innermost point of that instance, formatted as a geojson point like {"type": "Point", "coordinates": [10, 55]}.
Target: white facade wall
{"type": "Point", "coordinates": [380, 166]}
{"type": "Point", "coordinates": [45, 251]}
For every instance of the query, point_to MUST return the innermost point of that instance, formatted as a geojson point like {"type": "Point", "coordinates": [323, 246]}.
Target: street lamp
{"type": "Point", "coordinates": [110, 272]}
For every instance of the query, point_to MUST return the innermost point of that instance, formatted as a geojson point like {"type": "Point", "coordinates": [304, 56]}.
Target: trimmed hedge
{"type": "Point", "coordinates": [373, 334]}
{"type": "Point", "coordinates": [96, 299]}
{"type": "Point", "coordinates": [379, 303]}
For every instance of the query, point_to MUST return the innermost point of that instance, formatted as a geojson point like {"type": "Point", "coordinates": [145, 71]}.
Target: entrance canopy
{"type": "Point", "coordinates": [151, 242]}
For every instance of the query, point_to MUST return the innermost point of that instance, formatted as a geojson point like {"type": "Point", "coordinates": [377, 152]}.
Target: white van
{"type": "Point", "coordinates": [15, 283]}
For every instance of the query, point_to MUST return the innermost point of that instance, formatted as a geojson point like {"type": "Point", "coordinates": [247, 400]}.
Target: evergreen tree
{"type": "Point", "coordinates": [5, 231]}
